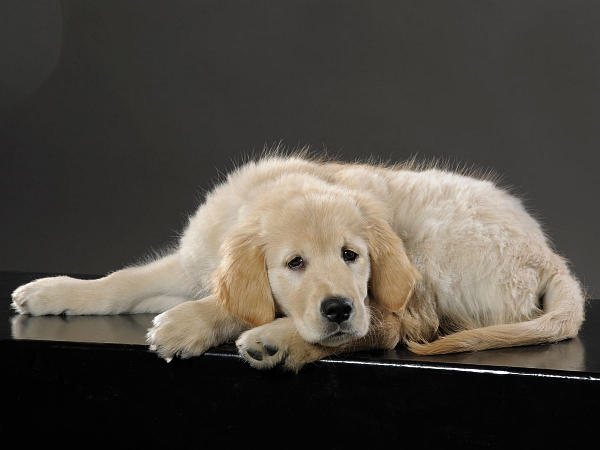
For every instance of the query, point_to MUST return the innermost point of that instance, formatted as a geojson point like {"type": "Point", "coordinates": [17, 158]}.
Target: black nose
{"type": "Point", "coordinates": [336, 309]}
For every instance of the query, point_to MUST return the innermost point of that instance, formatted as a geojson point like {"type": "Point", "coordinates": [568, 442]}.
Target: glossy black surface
{"type": "Point", "coordinates": [83, 380]}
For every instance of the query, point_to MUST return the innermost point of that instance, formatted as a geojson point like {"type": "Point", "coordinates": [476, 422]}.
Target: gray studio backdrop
{"type": "Point", "coordinates": [115, 116]}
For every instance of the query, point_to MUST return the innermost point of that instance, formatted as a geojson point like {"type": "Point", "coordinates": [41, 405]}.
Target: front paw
{"type": "Point", "coordinates": [260, 351]}
{"type": "Point", "coordinates": [174, 335]}
{"type": "Point", "coordinates": [190, 329]}
{"type": "Point", "coordinates": [278, 344]}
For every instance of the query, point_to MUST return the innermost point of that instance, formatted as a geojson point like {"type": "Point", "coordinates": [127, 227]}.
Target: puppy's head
{"type": "Point", "coordinates": [318, 266]}
{"type": "Point", "coordinates": [315, 258]}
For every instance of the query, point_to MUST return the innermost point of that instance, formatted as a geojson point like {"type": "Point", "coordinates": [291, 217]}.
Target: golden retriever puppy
{"type": "Point", "coordinates": [298, 259]}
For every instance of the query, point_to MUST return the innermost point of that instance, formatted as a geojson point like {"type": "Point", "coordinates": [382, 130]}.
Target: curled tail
{"type": "Point", "coordinates": [563, 315]}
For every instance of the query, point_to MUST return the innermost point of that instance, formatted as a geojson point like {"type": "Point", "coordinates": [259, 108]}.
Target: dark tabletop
{"type": "Point", "coordinates": [578, 357]}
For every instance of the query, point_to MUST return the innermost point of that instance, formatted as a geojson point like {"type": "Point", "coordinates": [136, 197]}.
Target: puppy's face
{"type": "Point", "coordinates": [317, 257]}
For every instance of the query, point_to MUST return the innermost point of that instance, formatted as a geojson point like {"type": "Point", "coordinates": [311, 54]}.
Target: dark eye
{"type": "Point", "coordinates": [349, 255]}
{"type": "Point", "coordinates": [296, 263]}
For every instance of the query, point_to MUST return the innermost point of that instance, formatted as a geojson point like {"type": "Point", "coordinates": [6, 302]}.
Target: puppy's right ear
{"type": "Point", "coordinates": [241, 282]}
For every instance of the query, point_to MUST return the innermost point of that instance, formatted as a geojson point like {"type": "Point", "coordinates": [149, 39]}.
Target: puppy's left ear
{"type": "Point", "coordinates": [393, 275]}
{"type": "Point", "coordinates": [241, 282]}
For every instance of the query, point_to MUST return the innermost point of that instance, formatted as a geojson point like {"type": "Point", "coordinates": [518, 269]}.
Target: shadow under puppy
{"type": "Point", "coordinates": [298, 258]}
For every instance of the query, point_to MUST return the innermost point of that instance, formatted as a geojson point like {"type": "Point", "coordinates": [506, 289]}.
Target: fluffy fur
{"type": "Point", "coordinates": [298, 259]}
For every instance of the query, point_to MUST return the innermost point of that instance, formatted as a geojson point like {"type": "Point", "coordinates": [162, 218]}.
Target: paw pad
{"type": "Point", "coordinates": [259, 353]}
{"type": "Point", "coordinates": [255, 354]}
{"type": "Point", "coordinates": [270, 349]}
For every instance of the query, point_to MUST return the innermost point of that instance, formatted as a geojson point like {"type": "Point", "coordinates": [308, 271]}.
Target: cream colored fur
{"type": "Point", "coordinates": [444, 263]}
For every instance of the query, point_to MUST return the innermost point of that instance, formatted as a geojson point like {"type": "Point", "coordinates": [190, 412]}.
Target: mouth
{"type": "Point", "coordinates": [337, 338]}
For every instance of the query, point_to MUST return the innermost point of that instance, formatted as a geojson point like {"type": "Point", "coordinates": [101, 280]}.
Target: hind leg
{"type": "Point", "coordinates": [151, 288]}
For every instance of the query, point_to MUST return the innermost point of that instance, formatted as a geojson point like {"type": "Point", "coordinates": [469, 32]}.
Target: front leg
{"type": "Point", "coordinates": [192, 328]}
{"type": "Point", "coordinates": [278, 343]}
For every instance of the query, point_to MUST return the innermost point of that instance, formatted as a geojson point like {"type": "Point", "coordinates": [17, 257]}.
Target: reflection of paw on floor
{"type": "Point", "coordinates": [125, 329]}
